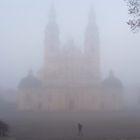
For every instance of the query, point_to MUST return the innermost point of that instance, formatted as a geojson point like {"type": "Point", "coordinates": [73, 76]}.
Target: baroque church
{"type": "Point", "coordinates": [70, 78]}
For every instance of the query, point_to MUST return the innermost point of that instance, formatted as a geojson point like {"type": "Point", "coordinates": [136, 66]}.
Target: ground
{"type": "Point", "coordinates": [52, 126]}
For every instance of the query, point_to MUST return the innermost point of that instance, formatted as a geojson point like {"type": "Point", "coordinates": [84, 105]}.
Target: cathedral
{"type": "Point", "coordinates": [70, 78]}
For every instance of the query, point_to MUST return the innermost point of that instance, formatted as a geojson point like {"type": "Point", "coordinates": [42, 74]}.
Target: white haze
{"type": "Point", "coordinates": [22, 26]}
{"type": "Point", "coordinates": [22, 33]}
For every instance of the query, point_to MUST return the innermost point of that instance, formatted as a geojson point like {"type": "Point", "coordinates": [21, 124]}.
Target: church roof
{"type": "Point", "coordinates": [29, 82]}
{"type": "Point", "coordinates": [112, 82]}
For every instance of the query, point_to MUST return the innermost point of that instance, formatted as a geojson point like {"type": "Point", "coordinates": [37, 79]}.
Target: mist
{"type": "Point", "coordinates": [71, 64]}
{"type": "Point", "coordinates": [22, 32]}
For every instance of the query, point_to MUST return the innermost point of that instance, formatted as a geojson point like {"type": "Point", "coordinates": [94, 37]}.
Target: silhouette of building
{"type": "Point", "coordinates": [112, 90]}
{"type": "Point", "coordinates": [70, 79]}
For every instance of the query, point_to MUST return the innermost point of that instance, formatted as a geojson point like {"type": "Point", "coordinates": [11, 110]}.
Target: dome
{"type": "Point", "coordinates": [112, 82]}
{"type": "Point", "coordinates": [29, 82]}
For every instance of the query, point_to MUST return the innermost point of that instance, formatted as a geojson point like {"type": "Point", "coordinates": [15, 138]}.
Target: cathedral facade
{"type": "Point", "coordinates": [70, 79]}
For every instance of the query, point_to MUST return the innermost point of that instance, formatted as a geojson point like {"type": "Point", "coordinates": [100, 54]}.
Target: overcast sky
{"type": "Point", "coordinates": [22, 26]}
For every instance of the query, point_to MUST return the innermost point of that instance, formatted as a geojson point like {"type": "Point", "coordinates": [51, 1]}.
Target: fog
{"type": "Point", "coordinates": [65, 88]}
{"type": "Point", "coordinates": [22, 33]}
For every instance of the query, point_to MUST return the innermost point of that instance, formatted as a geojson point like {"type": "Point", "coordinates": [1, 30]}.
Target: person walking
{"type": "Point", "coordinates": [80, 129]}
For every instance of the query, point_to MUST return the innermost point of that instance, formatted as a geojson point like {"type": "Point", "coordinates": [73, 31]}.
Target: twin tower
{"type": "Point", "coordinates": [69, 65]}
{"type": "Point", "coordinates": [70, 78]}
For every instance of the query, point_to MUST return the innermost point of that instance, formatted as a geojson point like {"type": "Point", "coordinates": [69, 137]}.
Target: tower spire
{"type": "Point", "coordinates": [91, 46]}
{"type": "Point", "coordinates": [91, 14]}
{"type": "Point", "coordinates": [52, 13]}
{"type": "Point", "coordinates": [52, 41]}
{"type": "Point", "coordinates": [91, 34]}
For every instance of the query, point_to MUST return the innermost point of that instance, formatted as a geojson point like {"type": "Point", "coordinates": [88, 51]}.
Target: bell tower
{"type": "Point", "coordinates": [52, 41]}
{"type": "Point", "coordinates": [91, 34]}
{"type": "Point", "coordinates": [51, 48]}
{"type": "Point", "coordinates": [92, 47]}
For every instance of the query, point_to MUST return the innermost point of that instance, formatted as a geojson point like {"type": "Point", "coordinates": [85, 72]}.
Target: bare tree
{"type": "Point", "coordinates": [134, 12]}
